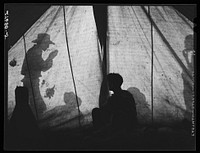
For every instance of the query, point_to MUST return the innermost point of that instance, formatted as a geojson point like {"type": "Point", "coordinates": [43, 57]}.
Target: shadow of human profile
{"type": "Point", "coordinates": [188, 54]}
{"type": "Point", "coordinates": [61, 115]}
{"type": "Point", "coordinates": [32, 67]}
{"type": "Point", "coordinates": [142, 107]}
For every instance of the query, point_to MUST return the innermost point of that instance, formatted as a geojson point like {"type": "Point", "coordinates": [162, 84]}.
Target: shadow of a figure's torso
{"type": "Point", "coordinates": [188, 54]}
{"type": "Point", "coordinates": [142, 107]}
{"type": "Point", "coordinates": [63, 114]}
{"type": "Point", "coordinates": [32, 67]}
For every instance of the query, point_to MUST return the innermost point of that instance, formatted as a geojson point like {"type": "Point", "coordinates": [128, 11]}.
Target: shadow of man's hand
{"type": "Point", "coordinates": [53, 54]}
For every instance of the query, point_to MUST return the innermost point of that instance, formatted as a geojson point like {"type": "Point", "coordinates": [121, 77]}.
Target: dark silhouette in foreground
{"type": "Point", "coordinates": [25, 135]}
{"type": "Point", "coordinates": [119, 111]}
{"type": "Point", "coordinates": [23, 131]}
{"type": "Point", "coordinates": [32, 67]}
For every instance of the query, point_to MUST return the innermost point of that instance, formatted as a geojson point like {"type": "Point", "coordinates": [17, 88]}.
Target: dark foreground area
{"type": "Point", "coordinates": [141, 138]}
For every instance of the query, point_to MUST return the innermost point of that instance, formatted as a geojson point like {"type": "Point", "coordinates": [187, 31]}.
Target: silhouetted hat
{"type": "Point", "coordinates": [43, 38]}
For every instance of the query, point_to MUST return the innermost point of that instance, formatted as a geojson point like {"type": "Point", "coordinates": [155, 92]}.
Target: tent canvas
{"type": "Point", "coordinates": [83, 44]}
{"type": "Point", "coordinates": [76, 73]}
{"type": "Point", "coordinates": [130, 54]}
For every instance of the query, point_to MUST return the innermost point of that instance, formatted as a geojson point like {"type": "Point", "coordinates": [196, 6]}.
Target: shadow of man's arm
{"type": "Point", "coordinates": [47, 64]}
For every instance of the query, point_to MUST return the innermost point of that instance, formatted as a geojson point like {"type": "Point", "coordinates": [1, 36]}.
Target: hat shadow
{"type": "Point", "coordinates": [43, 38]}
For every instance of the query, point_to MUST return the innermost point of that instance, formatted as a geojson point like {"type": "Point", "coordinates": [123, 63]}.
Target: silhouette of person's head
{"type": "Point", "coordinates": [189, 42]}
{"type": "Point", "coordinates": [70, 100]}
{"type": "Point", "coordinates": [115, 81]}
{"type": "Point", "coordinates": [43, 40]}
{"type": "Point", "coordinates": [21, 95]}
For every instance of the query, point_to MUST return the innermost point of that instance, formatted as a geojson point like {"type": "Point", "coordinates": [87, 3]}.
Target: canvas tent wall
{"type": "Point", "coordinates": [76, 73]}
{"type": "Point", "coordinates": [84, 54]}
{"type": "Point", "coordinates": [130, 54]}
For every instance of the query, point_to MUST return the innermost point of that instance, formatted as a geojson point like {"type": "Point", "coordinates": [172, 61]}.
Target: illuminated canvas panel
{"type": "Point", "coordinates": [130, 54]}
{"type": "Point", "coordinates": [54, 89]}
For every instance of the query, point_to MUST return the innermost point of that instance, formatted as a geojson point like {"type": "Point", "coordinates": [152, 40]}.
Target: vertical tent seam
{"type": "Point", "coordinates": [106, 44]}
{"type": "Point", "coordinates": [71, 64]}
{"type": "Point", "coordinates": [149, 13]}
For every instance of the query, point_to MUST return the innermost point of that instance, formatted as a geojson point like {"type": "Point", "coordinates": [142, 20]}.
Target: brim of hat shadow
{"type": "Point", "coordinates": [48, 42]}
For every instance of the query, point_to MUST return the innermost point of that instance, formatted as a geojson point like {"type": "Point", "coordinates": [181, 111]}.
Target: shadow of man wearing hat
{"type": "Point", "coordinates": [33, 65]}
